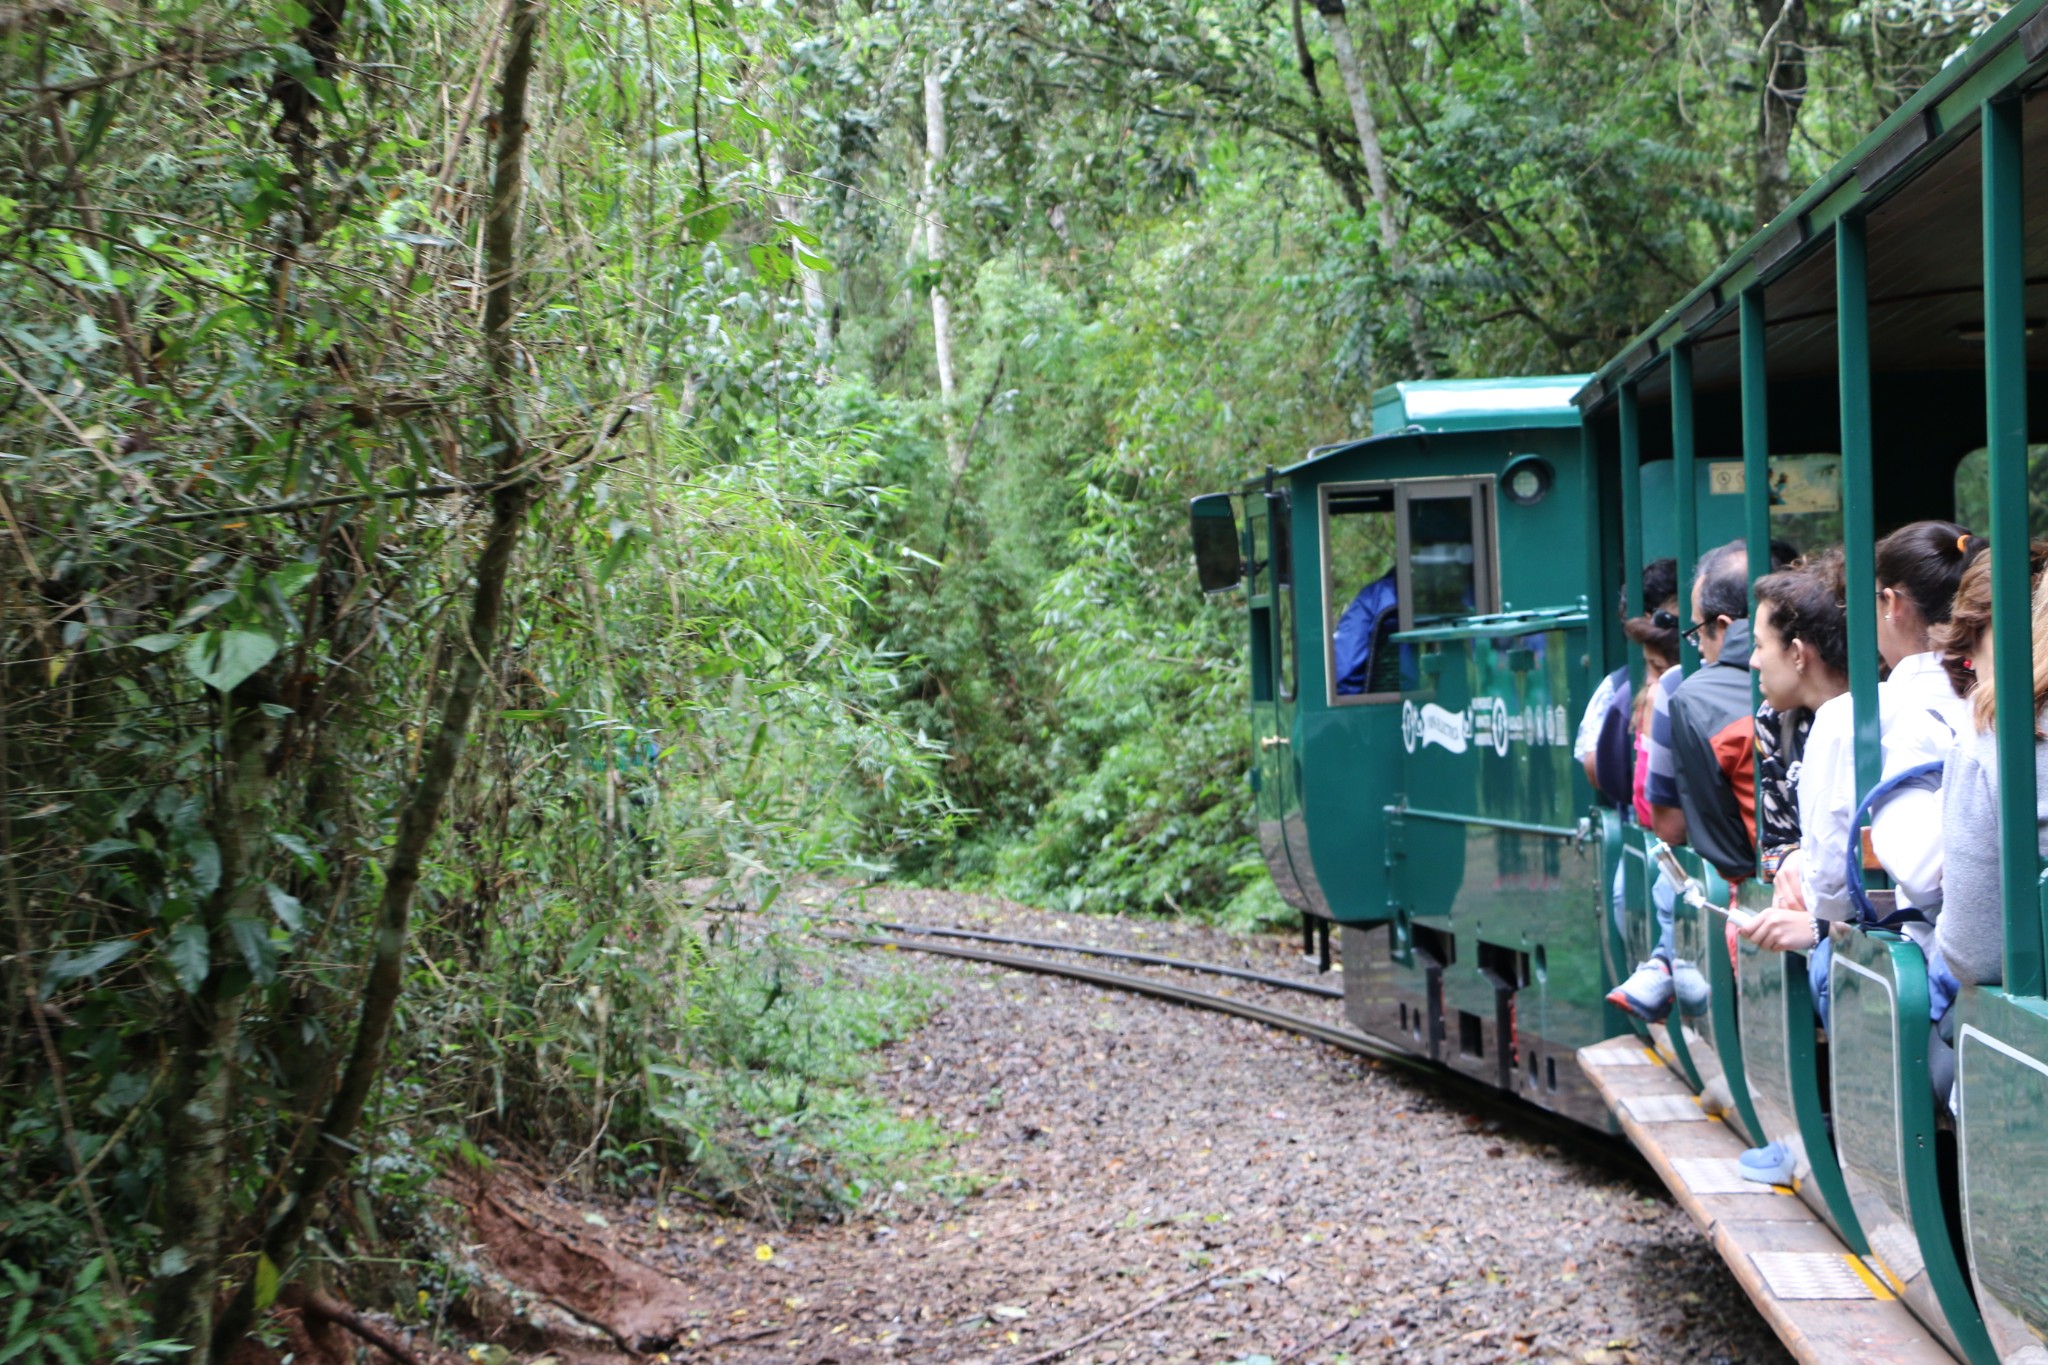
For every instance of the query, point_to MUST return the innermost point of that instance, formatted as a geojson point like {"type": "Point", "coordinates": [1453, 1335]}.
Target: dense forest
{"type": "Point", "coordinates": [483, 482]}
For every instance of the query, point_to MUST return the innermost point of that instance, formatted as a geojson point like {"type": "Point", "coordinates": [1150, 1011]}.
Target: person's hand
{"type": "Point", "coordinates": [1780, 930]}
{"type": "Point", "coordinates": [1788, 888]}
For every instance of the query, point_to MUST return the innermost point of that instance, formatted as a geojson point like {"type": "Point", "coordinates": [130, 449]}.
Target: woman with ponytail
{"type": "Point", "coordinates": [1919, 568]}
{"type": "Point", "coordinates": [1920, 709]}
{"type": "Point", "coordinates": [1920, 718]}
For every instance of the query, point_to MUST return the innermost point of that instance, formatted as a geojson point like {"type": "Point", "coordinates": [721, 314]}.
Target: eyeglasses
{"type": "Point", "coordinates": [1664, 620]}
{"type": "Point", "coordinates": [1691, 635]}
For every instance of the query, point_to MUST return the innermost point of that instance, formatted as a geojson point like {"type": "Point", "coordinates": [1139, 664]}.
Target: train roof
{"type": "Point", "coordinates": [1935, 119]}
{"type": "Point", "coordinates": [1445, 405]}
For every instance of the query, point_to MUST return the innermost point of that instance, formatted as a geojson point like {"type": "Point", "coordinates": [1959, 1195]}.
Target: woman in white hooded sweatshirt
{"type": "Point", "coordinates": [1920, 718]}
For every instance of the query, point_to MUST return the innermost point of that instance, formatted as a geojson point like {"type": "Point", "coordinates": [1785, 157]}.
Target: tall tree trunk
{"type": "Point", "coordinates": [208, 1028]}
{"type": "Point", "coordinates": [935, 253]}
{"type": "Point", "coordinates": [1781, 82]}
{"type": "Point", "coordinates": [1343, 176]}
{"type": "Point", "coordinates": [199, 1123]}
{"type": "Point", "coordinates": [332, 1148]}
{"type": "Point", "coordinates": [1337, 23]}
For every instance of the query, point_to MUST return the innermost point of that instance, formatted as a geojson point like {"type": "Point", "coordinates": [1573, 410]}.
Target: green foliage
{"type": "Point", "coordinates": [246, 459]}
{"type": "Point", "coordinates": [760, 629]}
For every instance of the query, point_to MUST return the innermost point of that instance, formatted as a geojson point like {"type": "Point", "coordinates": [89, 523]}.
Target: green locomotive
{"type": "Point", "coordinates": [1430, 609]}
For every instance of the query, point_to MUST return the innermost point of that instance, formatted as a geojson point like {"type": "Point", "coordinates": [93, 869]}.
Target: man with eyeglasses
{"type": "Point", "coordinates": [1703, 791]}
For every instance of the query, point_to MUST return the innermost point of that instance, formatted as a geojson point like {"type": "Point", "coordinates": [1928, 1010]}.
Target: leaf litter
{"type": "Point", "coordinates": [1150, 1184]}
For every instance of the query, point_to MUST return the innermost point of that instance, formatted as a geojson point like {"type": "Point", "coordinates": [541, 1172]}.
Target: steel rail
{"type": "Point", "coordinates": [1343, 1039]}
{"type": "Point", "coordinates": [1508, 1105]}
{"type": "Point", "coordinates": [1119, 954]}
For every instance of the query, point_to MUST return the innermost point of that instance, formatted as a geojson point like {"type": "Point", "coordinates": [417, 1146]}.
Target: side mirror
{"type": "Point", "coordinates": [1219, 558]}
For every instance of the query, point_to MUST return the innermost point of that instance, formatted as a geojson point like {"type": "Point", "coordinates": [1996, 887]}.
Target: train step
{"type": "Point", "coordinates": [1825, 1303]}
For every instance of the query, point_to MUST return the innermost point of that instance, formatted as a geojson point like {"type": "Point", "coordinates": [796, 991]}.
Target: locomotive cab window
{"type": "Point", "coordinates": [1395, 556]}
{"type": "Point", "coordinates": [1361, 592]}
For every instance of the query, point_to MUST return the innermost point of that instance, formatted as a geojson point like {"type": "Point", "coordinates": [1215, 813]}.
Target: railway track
{"type": "Point", "coordinates": [975, 946]}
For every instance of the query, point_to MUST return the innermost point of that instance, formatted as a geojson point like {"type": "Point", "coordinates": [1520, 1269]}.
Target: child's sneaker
{"type": "Point", "coordinates": [1772, 1165]}
{"type": "Point", "coordinates": [1690, 985]}
{"type": "Point", "coordinates": [1647, 993]}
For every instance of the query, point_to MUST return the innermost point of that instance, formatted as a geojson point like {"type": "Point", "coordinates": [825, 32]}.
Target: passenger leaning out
{"type": "Point", "coordinates": [1801, 659]}
{"type": "Point", "coordinates": [1699, 784]}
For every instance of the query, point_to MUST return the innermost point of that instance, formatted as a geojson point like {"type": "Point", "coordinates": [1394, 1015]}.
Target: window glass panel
{"type": "Point", "coordinates": [1278, 510]}
{"type": "Point", "coordinates": [1283, 602]}
{"type": "Point", "coordinates": [1806, 500]}
{"type": "Point", "coordinates": [1363, 596]}
{"type": "Point", "coordinates": [1973, 491]}
{"type": "Point", "coordinates": [1442, 558]}
{"type": "Point", "coordinates": [1262, 654]}
{"type": "Point", "coordinates": [1261, 549]}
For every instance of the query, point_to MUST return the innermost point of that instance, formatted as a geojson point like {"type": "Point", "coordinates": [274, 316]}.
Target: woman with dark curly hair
{"type": "Point", "coordinates": [1801, 658]}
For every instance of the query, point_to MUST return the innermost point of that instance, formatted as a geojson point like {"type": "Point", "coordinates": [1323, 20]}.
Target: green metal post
{"type": "Point", "coordinates": [1598, 622]}
{"type": "Point", "coordinates": [1859, 529]}
{"type": "Point", "coordinates": [1756, 436]}
{"type": "Point", "coordinates": [2005, 393]}
{"type": "Point", "coordinates": [1632, 519]}
{"type": "Point", "coordinates": [1756, 458]}
{"type": "Point", "coordinates": [1682, 479]}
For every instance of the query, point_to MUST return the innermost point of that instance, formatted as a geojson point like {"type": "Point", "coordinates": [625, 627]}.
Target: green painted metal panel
{"type": "Point", "coordinates": [1493, 854]}
{"type": "Point", "coordinates": [1601, 653]}
{"type": "Point", "coordinates": [1614, 857]}
{"type": "Point", "coordinates": [1885, 1131]}
{"type": "Point", "coordinates": [1632, 521]}
{"type": "Point", "coordinates": [1721, 1026]}
{"type": "Point", "coordinates": [1270, 775]}
{"type": "Point", "coordinates": [2005, 395]}
{"type": "Point", "coordinates": [1348, 754]}
{"type": "Point", "coordinates": [1756, 456]}
{"type": "Point", "coordinates": [1717, 510]}
{"type": "Point", "coordinates": [2002, 1078]}
{"type": "Point", "coordinates": [1639, 917]}
{"type": "Point", "coordinates": [1756, 430]}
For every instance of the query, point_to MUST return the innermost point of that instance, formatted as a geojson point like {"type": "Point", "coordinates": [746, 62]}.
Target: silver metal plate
{"type": "Point", "coordinates": [1896, 1249]}
{"type": "Point", "coordinates": [1663, 1109]}
{"type": "Point", "coordinates": [1811, 1275]}
{"type": "Point", "coordinates": [1715, 1175]}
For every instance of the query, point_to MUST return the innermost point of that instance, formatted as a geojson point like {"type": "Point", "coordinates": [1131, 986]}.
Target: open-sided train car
{"type": "Point", "coordinates": [1876, 355]}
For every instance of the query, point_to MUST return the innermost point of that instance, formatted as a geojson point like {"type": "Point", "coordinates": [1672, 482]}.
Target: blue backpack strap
{"type": "Point", "coordinates": [1922, 775]}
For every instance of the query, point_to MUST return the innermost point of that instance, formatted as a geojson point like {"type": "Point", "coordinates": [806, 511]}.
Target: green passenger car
{"type": "Point", "coordinates": [1876, 355]}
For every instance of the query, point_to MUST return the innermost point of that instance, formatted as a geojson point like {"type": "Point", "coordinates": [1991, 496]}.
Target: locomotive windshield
{"type": "Point", "coordinates": [1442, 559]}
{"type": "Point", "coordinates": [1398, 555]}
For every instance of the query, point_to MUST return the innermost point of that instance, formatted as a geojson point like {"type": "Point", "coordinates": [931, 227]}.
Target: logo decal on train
{"type": "Point", "coordinates": [1487, 718]}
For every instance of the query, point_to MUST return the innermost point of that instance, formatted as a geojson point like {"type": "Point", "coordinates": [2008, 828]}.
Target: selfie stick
{"type": "Point", "coordinates": [1688, 886]}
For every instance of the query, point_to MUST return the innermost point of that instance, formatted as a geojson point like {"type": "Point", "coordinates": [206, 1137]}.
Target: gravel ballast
{"type": "Point", "coordinates": [1160, 1184]}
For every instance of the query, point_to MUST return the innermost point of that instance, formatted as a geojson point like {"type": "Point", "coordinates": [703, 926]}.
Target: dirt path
{"type": "Point", "coordinates": [1169, 1186]}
